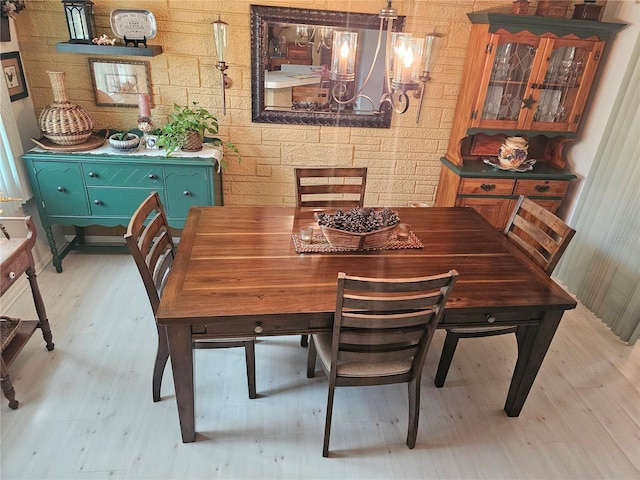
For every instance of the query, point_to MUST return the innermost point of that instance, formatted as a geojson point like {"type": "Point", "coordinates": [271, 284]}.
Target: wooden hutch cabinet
{"type": "Point", "coordinates": [528, 76]}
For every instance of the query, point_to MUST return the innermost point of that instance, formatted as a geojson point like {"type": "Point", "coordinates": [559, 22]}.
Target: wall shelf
{"type": "Point", "coordinates": [150, 51]}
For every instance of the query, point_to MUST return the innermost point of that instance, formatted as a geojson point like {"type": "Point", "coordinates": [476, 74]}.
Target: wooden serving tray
{"type": "Point", "coordinates": [94, 141]}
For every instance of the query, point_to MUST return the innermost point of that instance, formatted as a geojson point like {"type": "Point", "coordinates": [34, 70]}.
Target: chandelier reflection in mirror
{"type": "Point", "coordinates": [320, 38]}
{"type": "Point", "coordinates": [406, 66]}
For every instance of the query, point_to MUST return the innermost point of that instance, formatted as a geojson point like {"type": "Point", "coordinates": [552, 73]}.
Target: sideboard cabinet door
{"type": "Point", "coordinates": [61, 188]}
{"type": "Point", "coordinates": [186, 187]}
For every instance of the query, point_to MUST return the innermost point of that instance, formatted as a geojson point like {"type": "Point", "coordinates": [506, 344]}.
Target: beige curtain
{"type": "Point", "coordinates": [602, 264]}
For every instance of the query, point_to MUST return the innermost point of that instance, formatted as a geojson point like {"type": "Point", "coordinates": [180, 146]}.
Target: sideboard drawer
{"type": "Point", "coordinates": [550, 188]}
{"type": "Point", "coordinates": [486, 186]}
{"type": "Point", "coordinates": [118, 202]}
{"type": "Point", "coordinates": [122, 175]}
{"type": "Point", "coordinates": [186, 187]}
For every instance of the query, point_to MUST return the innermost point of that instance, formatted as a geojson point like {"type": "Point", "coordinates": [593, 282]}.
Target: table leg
{"type": "Point", "coordinates": [42, 313]}
{"type": "Point", "coordinates": [533, 343]}
{"type": "Point", "coordinates": [181, 354]}
{"type": "Point", "coordinates": [7, 386]}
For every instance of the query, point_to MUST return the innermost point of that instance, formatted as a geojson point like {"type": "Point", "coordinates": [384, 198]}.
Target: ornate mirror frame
{"type": "Point", "coordinates": [261, 17]}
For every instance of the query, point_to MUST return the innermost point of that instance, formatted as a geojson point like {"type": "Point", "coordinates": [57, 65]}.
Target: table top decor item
{"type": "Point", "coordinates": [513, 152]}
{"type": "Point", "coordinates": [123, 141]}
{"type": "Point", "coordinates": [133, 26]}
{"type": "Point", "coordinates": [358, 228]}
{"type": "Point", "coordinates": [187, 128]}
{"type": "Point", "coordinates": [64, 122]}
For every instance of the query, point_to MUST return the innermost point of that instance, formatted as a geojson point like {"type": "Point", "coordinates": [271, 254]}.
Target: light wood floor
{"type": "Point", "coordinates": [86, 410]}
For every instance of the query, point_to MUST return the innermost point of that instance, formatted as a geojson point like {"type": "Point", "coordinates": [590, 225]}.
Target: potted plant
{"type": "Point", "coordinates": [124, 141]}
{"type": "Point", "coordinates": [187, 128]}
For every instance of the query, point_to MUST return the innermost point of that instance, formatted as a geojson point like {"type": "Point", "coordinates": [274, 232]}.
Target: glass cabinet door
{"type": "Point", "coordinates": [508, 83]}
{"type": "Point", "coordinates": [562, 86]}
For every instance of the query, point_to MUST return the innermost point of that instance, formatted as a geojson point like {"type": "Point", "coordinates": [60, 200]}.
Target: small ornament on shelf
{"type": "Point", "coordinates": [520, 7]}
{"type": "Point", "coordinates": [104, 40]}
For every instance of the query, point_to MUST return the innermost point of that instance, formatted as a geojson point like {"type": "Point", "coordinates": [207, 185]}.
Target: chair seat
{"type": "Point", "coordinates": [363, 370]}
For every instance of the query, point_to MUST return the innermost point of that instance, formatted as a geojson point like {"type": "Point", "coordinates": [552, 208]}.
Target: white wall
{"type": "Point", "coordinates": [581, 153]}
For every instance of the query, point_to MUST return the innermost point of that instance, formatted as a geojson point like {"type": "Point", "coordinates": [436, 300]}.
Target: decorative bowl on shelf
{"type": "Point", "coordinates": [124, 142]}
{"type": "Point", "coordinates": [360, 240]}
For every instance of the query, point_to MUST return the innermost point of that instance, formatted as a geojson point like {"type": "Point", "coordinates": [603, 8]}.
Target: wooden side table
{"type": "Point", "coordinates": [17, 260]}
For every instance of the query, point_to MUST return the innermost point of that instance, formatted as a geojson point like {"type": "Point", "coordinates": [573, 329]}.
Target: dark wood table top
{"type": "Point", "coordinates": [238, 263]}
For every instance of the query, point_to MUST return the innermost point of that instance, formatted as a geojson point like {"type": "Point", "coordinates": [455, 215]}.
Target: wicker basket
{"type": "Point", "coordinates": [64, 122]}
{"type": "Point", "coordinates": [8, 329]}
{"type": "Point", "coordinates": [357, 241]}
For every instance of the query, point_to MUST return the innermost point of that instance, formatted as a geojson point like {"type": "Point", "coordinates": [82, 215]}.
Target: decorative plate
{"type": "Point", "coordinates": [133, 24]}
{"type": "Point", "coordinates": [525, 167]}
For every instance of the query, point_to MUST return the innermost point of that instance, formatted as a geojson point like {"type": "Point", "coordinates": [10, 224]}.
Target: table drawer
{"type": "Point", "coordinates": [549, 188]}
{"type": "Point", "coordinates": [486, 186]}
{"type": "Point", "coordinates": [122, 175]}
{"type": "Point", "coordinates": [489, 319]}
{"type": "Point", "coordinates": [12, 271]}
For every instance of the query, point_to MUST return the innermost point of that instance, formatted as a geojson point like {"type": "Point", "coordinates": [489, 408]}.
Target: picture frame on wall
{"type": "Point", "coordinates": [117, 83]}
{"type": "Point", "coordinates": [14, 75]}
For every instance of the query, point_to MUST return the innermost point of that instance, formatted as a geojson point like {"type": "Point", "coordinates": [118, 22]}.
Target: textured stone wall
{"type": "Point", "coordinates": [403, 161]}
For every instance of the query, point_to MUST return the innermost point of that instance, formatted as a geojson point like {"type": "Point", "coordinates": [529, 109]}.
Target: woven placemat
{"type": "Point", "coordinates": [8, 329]}
{"type": "Point", "coordinates": [321, 245]}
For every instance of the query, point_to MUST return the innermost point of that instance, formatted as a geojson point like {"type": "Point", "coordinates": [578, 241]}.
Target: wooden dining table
{"type": "Point", "coordinates": [237, 273]}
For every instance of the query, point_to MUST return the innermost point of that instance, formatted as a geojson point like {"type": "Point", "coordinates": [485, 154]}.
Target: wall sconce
{"type": "Point", "coordinates": [406, 66]}
{"type": "Point", "coordinates": [80, 21]}
{"type": "Point", "coordinates": [220, 39]}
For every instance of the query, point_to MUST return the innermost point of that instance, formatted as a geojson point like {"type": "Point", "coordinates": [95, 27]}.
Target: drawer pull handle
{"type": "Point", "coordinates": [12, 275]}
{"type": "Point", "coordinates": [491, 319]}
{"type": "Point", "coordinates": [487, 187]}
{"type": "Point", "coordinates": [153, 176]}
{"type": "Point", "coordinates": [98, 202]}
{"type": "Point", "coordinates": [186, 193]}
{"type": "Point", "coordinates": [258, 328]}
{"type": "Point", "coordinates": [61, 189]}
{"type": "Point", "coordinates": [93, 174]}
{"type": "Point", "coordinates": [542, 188]}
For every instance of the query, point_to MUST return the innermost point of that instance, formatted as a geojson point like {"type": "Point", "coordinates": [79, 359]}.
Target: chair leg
{"type": "Point", "coordinates": [414, 412]}
{"type": "Point", "coordinates": [250, 357]}
{"type": "Point", "coordinates": [327, 423]}
{"type": "Point", "coordinates": [449, 348]}
{"type": "Point", "coordinates": [162, 355]}
{"type": "Point", "coordinates": [311, 359]}
{"type": "Point", "coordinates": [304, 340]}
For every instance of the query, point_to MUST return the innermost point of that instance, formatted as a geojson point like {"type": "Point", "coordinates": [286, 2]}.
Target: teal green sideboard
{"type": "Point", "coordinates": [81, 189]}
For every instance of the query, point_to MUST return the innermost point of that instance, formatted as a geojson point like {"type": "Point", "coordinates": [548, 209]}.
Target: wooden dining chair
{"type": "Point", "coordinates": [332, 187]}
{"type": "Point", "coordinates": [541, 236]}
{"type": "Point", "coordinates": [340, 187]}
{"type": "Point", "coordinates": [382, 330]}
{"type": "Point", "coordinates": [149, 240]}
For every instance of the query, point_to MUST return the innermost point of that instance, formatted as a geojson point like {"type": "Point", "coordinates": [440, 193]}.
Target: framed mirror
{"type": "Point", "coordinates": [291, 52]}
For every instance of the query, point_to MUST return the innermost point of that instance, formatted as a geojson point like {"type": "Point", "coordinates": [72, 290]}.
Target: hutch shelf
{"type": "Point", "coordinates": [523, 75]}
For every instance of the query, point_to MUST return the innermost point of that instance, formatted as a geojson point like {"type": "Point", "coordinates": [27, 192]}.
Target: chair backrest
{"type": "Point", "coordinates": [541, 235]}
{"type": "Point", "coordinates": [149, 240]}
{"type": "Point", "coordinates": [330, 187]}
{"type": "Point", "coordinates": [386, 321]}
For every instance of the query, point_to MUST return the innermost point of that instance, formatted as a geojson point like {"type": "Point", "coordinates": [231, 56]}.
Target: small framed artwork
{"type": "Point", "coordinates": [117, 83]}
{"type": "Point", "coordinates": [14, 75]}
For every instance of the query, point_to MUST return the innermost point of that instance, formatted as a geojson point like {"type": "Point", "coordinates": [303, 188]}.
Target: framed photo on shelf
{"type": "Point", "coordinates": [14, 75]}
{"type": "Point", "coordinates": [117, 83]}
